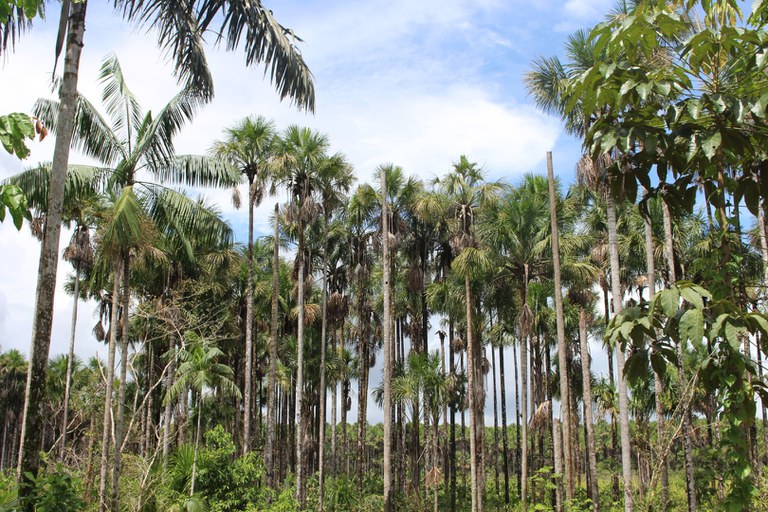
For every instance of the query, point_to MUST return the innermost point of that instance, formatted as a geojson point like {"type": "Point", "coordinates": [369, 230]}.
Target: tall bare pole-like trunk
{"type": "Point", "coordinates": [70, 362]}
{"type": "Point", "coordinates": [657, 383]}
{"type": "Point", "coordinates": [524, 423]}
{"type": "Point", "coordinates": [588, 418]}
{"type": "Point", "coordinates": [120, 420]}
{"type": "Point", "coordinates": [300, 483]}
{"type": "Point", "coordinates": [106, 427]}
{"type": "Point", "coordinates": [557, 455]}
{"type": "Point", "coordinates": [504, 442]}
{"type": "Point", "coordinates": [269, 452]}
{"type": "Point", "coordinates": [476, 492]}
{"type": "Point", "coordinates": [248, 385]}
{"type": "Point", "coordinates": [385, 329]}
{"type": "Point", "coordinates": [168, 411]}
{"type": "Point", "coordinates": [626, 454]}
{"type": "Point", "coordinates": [669, 254]}
{"type": "Point", "coordinates": [562, 354]}
{"type": "Point", "coordinates": [323, 391]}
{"type": "Point", "coordinates": [34, 397]}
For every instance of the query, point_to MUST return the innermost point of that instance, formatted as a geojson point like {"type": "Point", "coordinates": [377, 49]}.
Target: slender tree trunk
{"type": "Point", "coordinates": [70, 362]}
{"type": "Point", "coordinates": [588, 419]}
{"type": "Point", "coordinates": [495, 424]}
{"type": "Point", "coordinates": [269, 452]}
{"type": "Point", "coordinates": [323, 336]}
{"type": "Point", "coordinates": [168, 411]}
{"type": "Point", "coordinates": [476, 492]}
{"type": "Point", "coordinates": [626, 455]}
{"type": "Point", "coordinates": [657, 383]}
{"type": "Point", "coordinates": [197, 444]}
{"type": "Point", "coordinates": [524, 424]}
{"type": "Point", "coordinates": [557, 455]}
{"type": "Point", "coordinates": [505, 453]}
{"type": "Point", "coordinates": [120, 422]}
{"type": "Point", "coordinates": [300, 484]}
{"type": "Point", "coordinates": [248, 386]}
{"type": "Point", "coordinates": [386, 328]}
{"type": "Point", "coordinates": [561, 347]}
{"type": "Point", "coordinates": [452, 365]}
{"type": "Point", "coordinates": [334, 410]}
{"type": "Point", "coordinates": [106, 427]}
{"type": "Point", "coordinates": [34, 397]}
{"type": "Point", "coordinates": [518, 465]}
{"type": "Point", "coordinates": [669, 253]}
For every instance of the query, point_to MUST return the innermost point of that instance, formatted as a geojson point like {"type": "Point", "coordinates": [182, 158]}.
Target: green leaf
{"type": "Point", "coordinates": [669, 300]}
{"type": "Point", "coordinates": [711, 144]}
{"type": "Point", "coordinates": [692, 296]}
{"type": "Point", "coordinates": [692, 326]}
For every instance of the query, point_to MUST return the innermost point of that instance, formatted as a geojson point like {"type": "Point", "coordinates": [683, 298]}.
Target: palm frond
{"type": "Point", "coordinates": [121, 104]}
{"type": "Point", "coordinates": [197, 171]}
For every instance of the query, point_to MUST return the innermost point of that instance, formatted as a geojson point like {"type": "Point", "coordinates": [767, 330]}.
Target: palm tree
{"type": "Point", "coordinates": [547, 83]}
{"type": "Point", "coordinates": [462, 193]}
{"type": "Point", "coordinates": [140, 143]}
{"type": "Point", "coordinates": [180, 30]}
{"type": "Point", "coordinates": [299, 156]}
{"type": "Point", "coordinates": [198, 371]}
{"type": "Point", "coordinates": [249, 146]}
{"type": "Point", "coordinates": [336, 178]}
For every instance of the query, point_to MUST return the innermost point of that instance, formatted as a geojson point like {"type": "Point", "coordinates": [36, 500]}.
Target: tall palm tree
{"type": "Point", "coordinates": [248, 146]}
{"type": "Point", "coordinates": [336, 178]}
{"type": "Point", "coordinates": [180, 32]}
{"type": "Point", "coordinates": [547, 82]}
{"type": "Point", "coordinates": [299, 155]}
{"type": "Point", "coordinates": [461, 195]}
{"type": "Point", "coordinates": [140, 143]}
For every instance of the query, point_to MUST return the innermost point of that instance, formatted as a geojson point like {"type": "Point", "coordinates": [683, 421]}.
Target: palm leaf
{"type": "Point", "coordinates": [122, 106]}
{"type": "Point", "coordinates": [124, 225]}
{"type": "Point", "coordinates": [91, 133]}
{"type": "Point", "coordinates": [197, 171]}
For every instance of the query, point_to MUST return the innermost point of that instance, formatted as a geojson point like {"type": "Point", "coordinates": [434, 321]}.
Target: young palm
{"type": "Point", "coordinates": [200, 371]}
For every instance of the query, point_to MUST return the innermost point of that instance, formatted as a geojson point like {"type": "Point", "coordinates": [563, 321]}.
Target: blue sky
{"type": "Point", "coordinates": [412, 83]}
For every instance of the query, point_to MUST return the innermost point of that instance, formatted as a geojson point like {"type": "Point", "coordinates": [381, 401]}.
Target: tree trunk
{"type": "Point", "coordinates": [626, 455]}
{"type": "Point", "coordinates": [248, 386]}
{"type": "Point", "coordinates": [269, 452]}
{"type": "Point", "coordinates": [300, 484]}
{"type": "Point", "coordinates": [323, 336]}
{"type": "Point", "coordinates": [505, 453]}
{"type": "Point", "coordinates": [70, 362]}
{"type": "Point", "coordinates": [168, 411]}
{"type": "Point", "coordinates": [561, 348]}
{"type": "Point", "coordinates": [34, 397]}
{"type": "Point", "coordinates": [657, 383]}
{"type": "Point", "coordinates": [105, 433]}
{"type": "Point", "coordinates": [557, 455]}
{"type": "Point", "coordinates": [495, 424]}
{"type": "Point", "coordinates": [518, 466]}
{"type": "Point", "coordinates": [588, 419]}
{"type": "Point", "coordinates": [475, 479]}
{"type": "Point", "coordinates": [386, 328]}
{"type": "Point", "coordinates": [669, 253]}
{"type": "Point", "coordinates": [197, 444]}
{"type": "Point", "coordinates": [452, 367]}
{"type": "Point", "coordinates": [524, 424]}
{"type": "Point", "coordinates": [120, 421]}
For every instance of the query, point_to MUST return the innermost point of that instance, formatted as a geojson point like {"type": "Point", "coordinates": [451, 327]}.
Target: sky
{"type": "Point", "coordinates": [416, 84]}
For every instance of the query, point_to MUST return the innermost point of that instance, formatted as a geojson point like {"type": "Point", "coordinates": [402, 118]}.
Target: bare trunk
{"type": "Point", "coordinates": [505, 453]}
{"type": "Point", "coordinates": [588, 419]}
{"type": "Point", "coordinates": [300, 484]}
{"type": "Point", "coordinates": [561, 347]}
{"type": "Point", "coordinates": [248, 386]}
{"type": "Point", "coordinates": [120, 421]}
{"type": "Point", "coordinates": [197, 444]}
{"type": "Point", "coordinates": [106, 427]}
{"type": "Point", "coordinates": [167, 413]}
{"type": "Point", "coordinates": [669, 253]}
{"type": "Point", "coordinates": [269, 451]}
{"type": "Point", "coordinates": [524, 424]}
{"type": "Point", "coordinates": [386, 328]}
{"type": "Point", "coordinates": [557, 455]}
{"type": "Point", "coordinates": [626, 455]}
{"type": "Point", "coordinates": [476, 492]}
{"type": "Point", "coordinates": [70, 362]}
{"type": "Point", "coordinates": [34, 398]}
